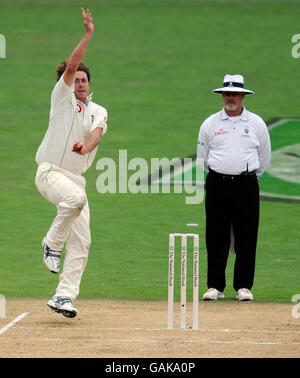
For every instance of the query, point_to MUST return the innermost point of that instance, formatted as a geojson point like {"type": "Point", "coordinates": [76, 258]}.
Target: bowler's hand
{"type": "Point", "coordinates": [79, 148]}
{"type": "Point", "coordinates": [87, 21]}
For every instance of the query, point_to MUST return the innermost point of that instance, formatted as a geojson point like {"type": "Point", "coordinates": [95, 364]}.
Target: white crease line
{"type": "Point", "coordinates": [204, 341]}
{"type": "Point", "coordinates": [165, 329]}
{"type": "Point", "coordinates": [13, 322]}
{"type": "Point", "coordinates": [210, 341]}
{"type": "Point", "coordinates": [199, 341]}
{"type": "Point", "coordinates": [243, 342]}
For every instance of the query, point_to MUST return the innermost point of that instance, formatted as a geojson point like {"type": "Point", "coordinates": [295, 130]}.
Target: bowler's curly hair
{"type": "Point", "coordinates": [60, 69]}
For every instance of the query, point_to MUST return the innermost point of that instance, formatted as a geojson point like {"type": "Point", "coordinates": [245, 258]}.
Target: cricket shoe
{"type": "Point", "coordinates": [212, 295]}
{"type": "Point", "coordinates": [244, 295]}
{"type": "Point", "coordinates": [63, 305]}
{"type": "Point", "coordinates": [51, 258]}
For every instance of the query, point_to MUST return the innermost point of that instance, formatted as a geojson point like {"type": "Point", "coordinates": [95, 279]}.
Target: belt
{"type": "Point", "coordinates": [232, 177]}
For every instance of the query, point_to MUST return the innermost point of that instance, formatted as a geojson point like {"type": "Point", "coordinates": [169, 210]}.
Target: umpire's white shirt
{"type": "Point", "coordinates": [70, 121]}
{"type": "Point", "coordinates": [232, 145]}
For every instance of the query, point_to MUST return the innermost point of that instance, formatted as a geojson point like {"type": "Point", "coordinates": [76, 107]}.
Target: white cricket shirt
{"type": "Point", "coordinates": [70, 121]}
{"type": "Point", "coordinates": [232, 145]}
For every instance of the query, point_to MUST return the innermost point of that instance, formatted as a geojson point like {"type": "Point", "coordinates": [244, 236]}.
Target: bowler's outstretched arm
{"type": "Point", "coordinates": [79, 51]}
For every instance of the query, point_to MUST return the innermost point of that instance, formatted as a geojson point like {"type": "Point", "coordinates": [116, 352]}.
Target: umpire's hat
{"type": "Point", "coordinates": [233, 83]}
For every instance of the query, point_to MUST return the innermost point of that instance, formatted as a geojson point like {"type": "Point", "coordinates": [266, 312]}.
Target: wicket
{"type": "Point", "coordinates": [183, 271]}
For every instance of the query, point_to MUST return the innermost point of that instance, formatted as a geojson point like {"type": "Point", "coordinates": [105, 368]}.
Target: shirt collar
{"type": "Point", "coordinates": [243, 116]}
{"type": "Point", "coordinates": [88, 99]}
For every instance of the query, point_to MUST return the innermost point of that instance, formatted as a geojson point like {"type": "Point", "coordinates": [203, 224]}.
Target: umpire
{"type": "Point", "coordinates": [236, 149]}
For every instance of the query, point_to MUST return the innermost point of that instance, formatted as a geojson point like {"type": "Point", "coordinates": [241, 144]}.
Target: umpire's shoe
{"type": "Point", "coordinates": [212, 294]}
{"type": "Point", "coordinates": [51, 258]}
{"type": "Point", "coordinates": [244, 295]}
{"type": "Point", "coordinates": [63, 305]}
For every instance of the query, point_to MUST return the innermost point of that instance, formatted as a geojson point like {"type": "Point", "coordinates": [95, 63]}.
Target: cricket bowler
{"type": "Point", "coordinates": [76, 126]}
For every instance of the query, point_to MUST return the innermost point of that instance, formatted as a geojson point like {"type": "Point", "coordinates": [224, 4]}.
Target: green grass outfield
{"type": "Point", "coordinates": [153, 65]}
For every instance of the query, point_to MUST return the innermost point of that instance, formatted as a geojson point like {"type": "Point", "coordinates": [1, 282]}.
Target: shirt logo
{"type": "Point", "coordinates": [79, 108]}
{"type": "Point", "coordinates": [221, 132]}
{"type": "Point", "coordinates": [246, 133]}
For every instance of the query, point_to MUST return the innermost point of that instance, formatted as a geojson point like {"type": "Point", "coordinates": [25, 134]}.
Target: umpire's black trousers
{"type": "Point", "coordinates": [231, 200]}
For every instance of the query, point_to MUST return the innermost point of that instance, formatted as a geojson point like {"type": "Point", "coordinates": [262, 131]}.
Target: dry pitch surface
{"type": "Point", "coordinates": [125, 329]}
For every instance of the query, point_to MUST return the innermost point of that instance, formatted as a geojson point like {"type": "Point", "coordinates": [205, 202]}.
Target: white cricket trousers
{"type": "Point", "coordinates": [70, 227]}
